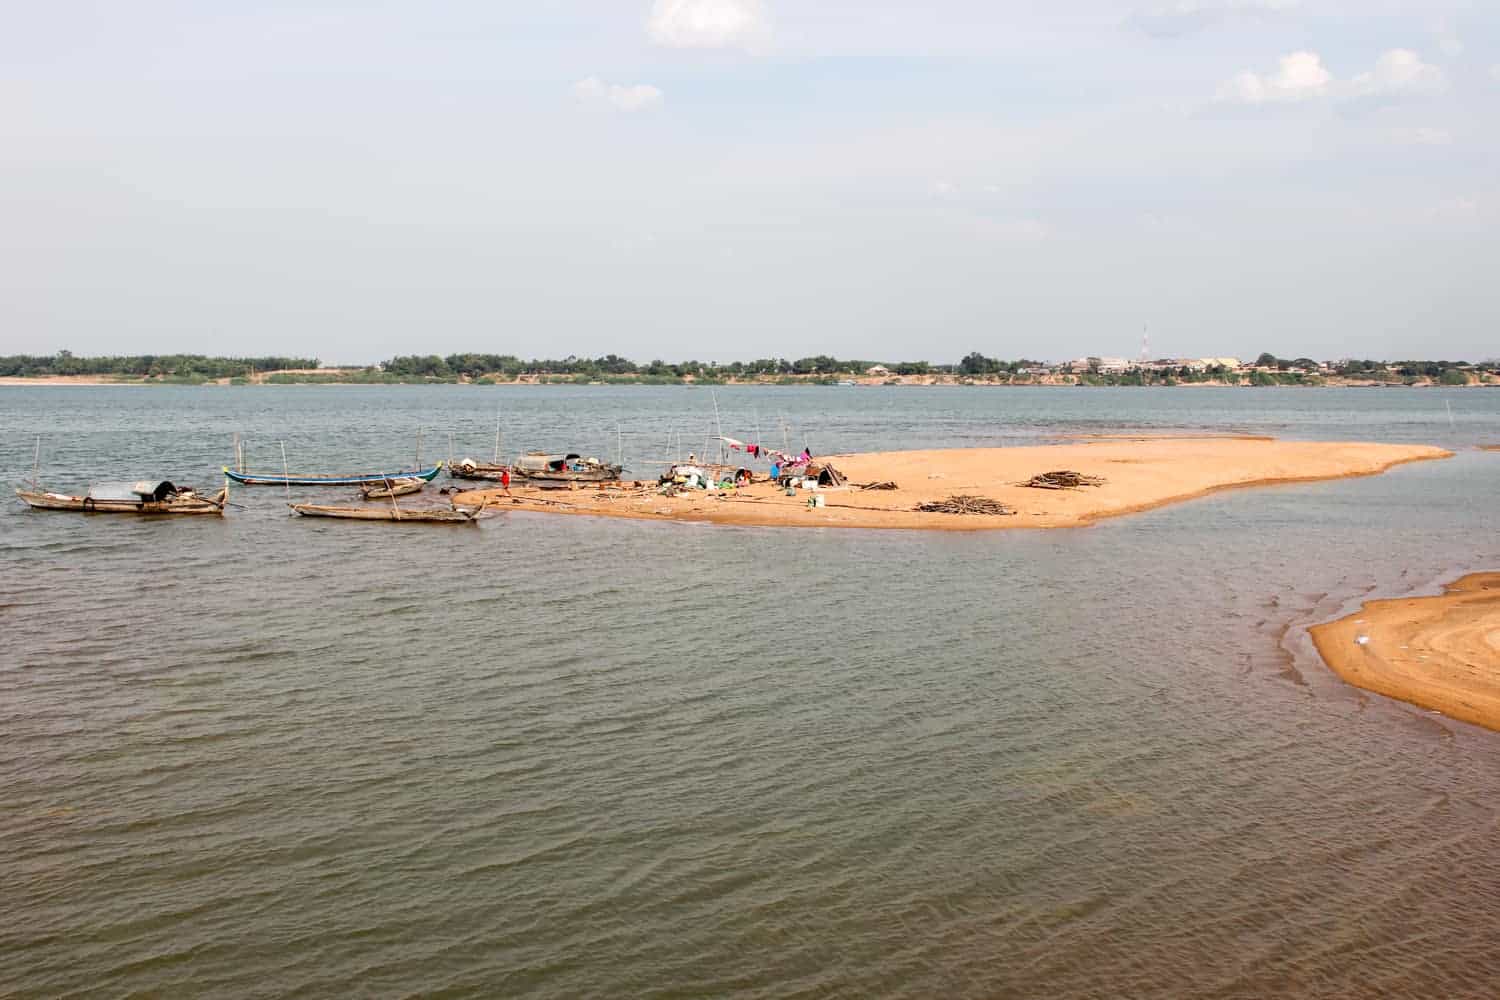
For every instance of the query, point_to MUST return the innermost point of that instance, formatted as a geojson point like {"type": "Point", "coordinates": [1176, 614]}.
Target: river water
{"type": "Point", "coordinates": [562, 757]}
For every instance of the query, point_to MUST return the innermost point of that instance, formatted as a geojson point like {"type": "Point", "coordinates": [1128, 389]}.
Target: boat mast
{"type": "Point", "coordinates": [717, 423]}
{"type": "Point", "coordinates": [497, 437]}
{"type": "Point", "coordinates": [36, 464]}
{"type": "Point", "coordinates": [286, 475]}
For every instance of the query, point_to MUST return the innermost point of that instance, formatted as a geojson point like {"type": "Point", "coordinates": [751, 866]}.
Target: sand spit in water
{"type": "Point", "coordinates": [1440, 652]}
{"type": "Point", "coordinates": [1138, 474]}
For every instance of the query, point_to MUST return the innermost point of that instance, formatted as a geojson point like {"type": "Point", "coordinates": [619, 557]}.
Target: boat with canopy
{"type": "Point", "coordinates": [155, 496]}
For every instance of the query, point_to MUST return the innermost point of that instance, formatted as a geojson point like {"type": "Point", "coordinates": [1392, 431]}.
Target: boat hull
{"type": "Point", "coordinates": [603, 474]}
{"type": "Point", "coordinates": [488, 473]}
{"type": "Point", "coordinates": [396, 488]}
{"type": "Point", "coordinates": [373, 479]}
{"type": "Point", "coordinates": [40, 500]}
{"type": "Point", "coordinates": [458, 515]}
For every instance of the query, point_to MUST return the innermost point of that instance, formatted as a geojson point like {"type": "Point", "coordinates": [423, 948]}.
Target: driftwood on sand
{"type": "Point", "coordinates": [887, 485]}
{"type": "Point", "coordinates": [1062, 479]}
{"type": "Point", "coordinates": [964, 505]}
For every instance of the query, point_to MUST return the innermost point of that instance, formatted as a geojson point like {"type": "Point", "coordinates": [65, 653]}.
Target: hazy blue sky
{"type": "Point", "coordinates": [729, 179]}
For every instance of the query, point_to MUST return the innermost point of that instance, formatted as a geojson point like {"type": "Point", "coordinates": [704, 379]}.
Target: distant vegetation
{"type": "Point", "coordinates": [184, 367]}
{"type": "Point", "coordinates": [491, 369]}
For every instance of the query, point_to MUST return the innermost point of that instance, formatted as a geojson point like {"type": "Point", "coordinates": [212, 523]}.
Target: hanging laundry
{"type": "Point", "coordinates": [736, 445]}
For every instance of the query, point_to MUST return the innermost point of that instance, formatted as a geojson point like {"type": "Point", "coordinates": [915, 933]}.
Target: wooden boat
{"type": "Point", "coordinates": [568, 468]}
{"type": "Point", "coordinates": [370, 479]}
{"type": "Point", "coordinates": [384, 512]}
{"type": "Point", "coordinates": [470, 469]}
{"type": "Point", "coordinates": [147, 497]}
{"type": "Point", "coordinates": [394, 488]}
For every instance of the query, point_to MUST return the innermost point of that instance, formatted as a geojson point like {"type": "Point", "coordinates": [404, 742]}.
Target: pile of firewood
{"type": "Point", "coordinates": [1062, 479]}
{"type": "Point", "coordinates": [887, 485]}
{"type": "Point", "coordinates": [964, 505]}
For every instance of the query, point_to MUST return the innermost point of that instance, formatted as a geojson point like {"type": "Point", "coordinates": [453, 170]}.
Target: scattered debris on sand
{"type": "Point", "coordinates": [964, 505]}
{"type": "Point", "coordinates": [1062, 479]}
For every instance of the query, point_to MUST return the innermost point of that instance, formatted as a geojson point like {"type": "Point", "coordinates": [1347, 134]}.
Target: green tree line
{"type": "Point", "coordinates": [185, 366]}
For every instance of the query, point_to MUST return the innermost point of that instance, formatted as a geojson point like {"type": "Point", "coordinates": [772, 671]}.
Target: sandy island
{"type": "Point", "coordinates": [1441, 652]}
{"type": "Point", "coordinates": [1139, 474]}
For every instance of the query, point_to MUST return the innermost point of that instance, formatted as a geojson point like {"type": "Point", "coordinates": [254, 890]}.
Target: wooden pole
{"type": "Point", "coordinates": [286, 475]}
{"type": "Point", "coordinates": [391, 489]}
{"type": "Point", "coordinates": [497, 437]}
{"type": "Point", "coordinates": [718, 423]}
{"type": "Point", "coordinates": [419, 449]}
{"type": "Point", "coordinates": [36, 464]}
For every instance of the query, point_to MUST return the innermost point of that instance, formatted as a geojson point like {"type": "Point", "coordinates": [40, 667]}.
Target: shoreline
{"type": "Point", "coordinates": [1139, 473]}
{"type": "Point", "coordinates": [1440, 653]}
{"type": "Point", "coordinates": [564, 382]}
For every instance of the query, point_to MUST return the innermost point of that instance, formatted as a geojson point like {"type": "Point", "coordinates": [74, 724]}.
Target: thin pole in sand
{"type": "Point", "coordinates": [719, 424]}
{"type": "Point", "coordinates": [786, 442]}
{"type": "Point", "coordinates": [286, 476]}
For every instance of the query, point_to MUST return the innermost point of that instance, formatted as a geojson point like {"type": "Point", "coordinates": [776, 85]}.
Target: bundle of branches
{"type": "Point", "coordinates": [887, 485]}
{"type": "Point", "coordinates": [1062, 479]}
{"type": "Point", "coordinates": [964, 505]}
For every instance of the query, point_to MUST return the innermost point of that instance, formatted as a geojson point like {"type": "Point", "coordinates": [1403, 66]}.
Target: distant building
{"type": "Point", "coordinates": [877, 370]}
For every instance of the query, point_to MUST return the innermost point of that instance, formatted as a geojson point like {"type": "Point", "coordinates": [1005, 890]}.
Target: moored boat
{"type": "Point", "coordinates": [568, 468]}
{"type": "Point", "coordinates": [382, 512]}
{"type": "Point", "coordinates": [145, 497]}
{"type": "Point", "coordinates": [369, 479]}
{"type": "Point", "coordinates": [469, 469]}
{"type": "Point", "coordinates": [394, 488]}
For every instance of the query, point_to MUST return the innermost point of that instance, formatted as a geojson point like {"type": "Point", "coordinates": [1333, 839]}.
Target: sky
{"type": "Point", "coordinates": [735, 179]}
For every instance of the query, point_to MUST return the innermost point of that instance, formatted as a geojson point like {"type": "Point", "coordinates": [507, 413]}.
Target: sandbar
{"type": "Point", "coordinates": [1441, 653]}
{"type": "Point", "coordinates": [1138, 474]}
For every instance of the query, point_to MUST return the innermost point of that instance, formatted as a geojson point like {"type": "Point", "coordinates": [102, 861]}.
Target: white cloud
{"type": "Point", "coordinates": [709, 24]}
{"type": "Point", "coordinates": [596, 93]}
{"type": "Point", "coordinates": [1399, 72]}
{"type": "Point", "coordinates": [1302, 76]}
{"type": "Point", "coordinates": [1183, 17]}
{"type": "Point", "coordinates": [1448, 39]}
{"type": "Point", "coordinates": [1298, 77]}
{"type": "Point", "coordinates": [1421, 136]}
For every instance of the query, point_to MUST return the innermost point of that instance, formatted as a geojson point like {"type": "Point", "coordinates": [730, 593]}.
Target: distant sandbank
{"type": "Point", "coordinates": [1138, 474]}
{"type": "Point", "coordinates": [1441, 653]}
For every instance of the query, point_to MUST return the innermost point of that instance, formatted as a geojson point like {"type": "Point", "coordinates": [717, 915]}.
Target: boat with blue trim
{"type": "Point", "coordinates": [370, 479]}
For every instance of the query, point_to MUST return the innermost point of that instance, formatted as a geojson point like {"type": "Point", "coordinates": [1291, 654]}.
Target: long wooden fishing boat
{"type": "Point", "coordinates": [470, 469]}
{"type": "Point", "coordinates": [147, 497]}
{"type": "Point", "coordinates": [404, 486]}
{"type": "Point", "coordinates": [370, 479]}
{"type": "Point", "coordinates": [457, 515]}
{"type": "Point", "coordinates": [569, 468]}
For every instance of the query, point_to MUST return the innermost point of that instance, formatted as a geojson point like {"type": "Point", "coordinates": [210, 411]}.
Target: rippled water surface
{"type": "Point", "coordinates": [564, 757]}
